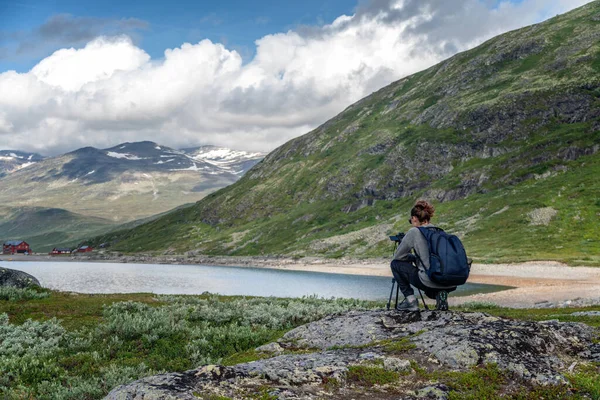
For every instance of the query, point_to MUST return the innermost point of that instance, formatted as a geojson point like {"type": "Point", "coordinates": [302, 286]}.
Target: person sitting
{"type": "Point", "coordinates": [411, 268]}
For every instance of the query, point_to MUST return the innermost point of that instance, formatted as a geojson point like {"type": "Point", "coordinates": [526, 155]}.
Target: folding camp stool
{"type": "Point", "coordinates": [394, 283]}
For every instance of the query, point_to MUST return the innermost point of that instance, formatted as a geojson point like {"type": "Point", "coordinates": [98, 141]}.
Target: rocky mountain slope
{"type": "Point", "coordinates": [13, 160]}
{"type": "Point", "coordinates": [89, 190]}
{"type": "Point", "coordinates": [390, 355]}
{"type": "Point", "coordinates": [503, 138]}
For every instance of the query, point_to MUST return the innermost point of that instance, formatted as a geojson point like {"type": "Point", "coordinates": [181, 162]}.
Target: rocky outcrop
{"type": "Point", "coordinates": [325, 359]}
{"type": "Point", "coordinates": [19, 279]}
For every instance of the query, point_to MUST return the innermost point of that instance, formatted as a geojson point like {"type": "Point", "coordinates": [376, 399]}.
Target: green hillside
{"type": "Point", "coordinates": [503, 139]}
{"type": "Point", "coordinates": [46, 228]}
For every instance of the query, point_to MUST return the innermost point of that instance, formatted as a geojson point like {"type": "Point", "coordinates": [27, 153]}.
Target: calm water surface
{"type": "Point", "coordinates": [196, 279]}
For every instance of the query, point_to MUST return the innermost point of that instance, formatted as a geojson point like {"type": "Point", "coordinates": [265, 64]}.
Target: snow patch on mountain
{"type": "Point", "coordinates": [126, 156]}
{"type": "Point", "coordinates": [235, 162]}
{"type": "Point", "coordinates": [27, 164]}
{"type": "Point", "coordinates": [223, 156]}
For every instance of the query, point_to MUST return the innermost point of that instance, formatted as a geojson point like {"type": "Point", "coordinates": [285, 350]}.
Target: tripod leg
{"type": "Point", "coordinates": [427, 308]}
{"type": "Point", "coordinates": [397, 290]}
{"type": "Point", "coordinates": [391, 291]}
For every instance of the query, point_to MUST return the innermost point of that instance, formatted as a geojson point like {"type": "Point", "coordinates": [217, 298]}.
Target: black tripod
{"type": "Point", "coordinates": [394, 283]}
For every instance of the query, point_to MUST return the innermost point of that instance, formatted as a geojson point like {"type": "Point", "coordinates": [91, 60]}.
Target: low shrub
{"type": "Point", "coordinates": [42, 360]}
{"type": "Point", "coordinates": [11, 293]}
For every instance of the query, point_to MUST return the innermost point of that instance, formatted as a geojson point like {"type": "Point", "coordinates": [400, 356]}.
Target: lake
{"type": "Point", "coordinates": [196, 279]}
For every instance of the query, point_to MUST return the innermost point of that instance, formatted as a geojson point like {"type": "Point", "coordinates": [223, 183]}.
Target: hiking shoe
{"type": "Point", "coordinates": [408, 305]}
{"type": "Point", "coordinates": [441, 301]}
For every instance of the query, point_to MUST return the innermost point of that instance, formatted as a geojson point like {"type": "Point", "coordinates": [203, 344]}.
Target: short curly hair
{"type": "Point", "coordinates": [423, 210]}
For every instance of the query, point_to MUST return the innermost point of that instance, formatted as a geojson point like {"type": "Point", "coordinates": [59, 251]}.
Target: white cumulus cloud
{"type": "Point", "coordinates": [70, 69]}
{"type": "Point", "coordinates": [111, 91]}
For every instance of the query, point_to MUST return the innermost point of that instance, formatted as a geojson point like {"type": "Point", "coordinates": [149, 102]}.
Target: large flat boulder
{"type": "Point", "coordinates": [323, 357]}
{"type": "Point", "coordinates": [18, 279]}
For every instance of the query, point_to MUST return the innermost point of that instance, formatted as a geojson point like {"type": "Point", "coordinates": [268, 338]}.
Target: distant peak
{"type": "Point", "coordinates": [142, 144]}
{"type": "Point", "coordinates": [85, 150]}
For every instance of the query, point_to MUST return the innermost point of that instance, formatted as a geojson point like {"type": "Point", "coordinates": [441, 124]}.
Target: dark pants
{"type": "Point", "coordinates": [406, 274]}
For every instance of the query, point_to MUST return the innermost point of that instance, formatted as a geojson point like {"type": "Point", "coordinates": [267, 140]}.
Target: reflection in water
{"type": "Point", "coordinates": [196, 279]}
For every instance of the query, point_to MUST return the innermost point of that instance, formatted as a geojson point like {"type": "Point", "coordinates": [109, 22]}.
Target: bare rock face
{"type": "Point", "coordinates": [19, 279]}
{"type": "Point", "coordinates": [320, 359]}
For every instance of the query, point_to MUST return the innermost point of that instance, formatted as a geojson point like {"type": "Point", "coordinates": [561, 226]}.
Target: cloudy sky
{"type": "Point", "coordinates": [248, 75]}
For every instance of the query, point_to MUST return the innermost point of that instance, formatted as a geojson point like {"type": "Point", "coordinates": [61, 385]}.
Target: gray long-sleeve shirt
{"type": "Point", "coordinates": [414, 240]}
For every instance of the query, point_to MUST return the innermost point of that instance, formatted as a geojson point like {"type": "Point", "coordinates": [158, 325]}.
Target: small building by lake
{"type": "Point", "coordinates": [85, 249]}
{"type": "Point", "coordinates": [16, 247]}
{"type": "Point", "coordinates": [57, 251]}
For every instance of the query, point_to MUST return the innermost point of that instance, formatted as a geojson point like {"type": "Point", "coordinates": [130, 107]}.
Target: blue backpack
{"type": "Point", "coordinates": [448, 263]}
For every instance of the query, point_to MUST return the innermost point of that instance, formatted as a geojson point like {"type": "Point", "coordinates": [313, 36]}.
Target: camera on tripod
{"type": "Point", "coordinates": [398, 238]}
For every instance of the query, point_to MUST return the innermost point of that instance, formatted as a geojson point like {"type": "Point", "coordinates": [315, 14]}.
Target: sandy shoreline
{"type": "Point", "coordinates": [533, 282]}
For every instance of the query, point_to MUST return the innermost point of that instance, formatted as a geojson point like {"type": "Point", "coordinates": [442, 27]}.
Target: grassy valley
{"type": "Point", "coordinates": [504, 139]}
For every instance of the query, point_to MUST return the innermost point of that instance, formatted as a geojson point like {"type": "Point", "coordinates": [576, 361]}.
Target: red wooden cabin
{"type": "Point", "coordinates": [16, 247]}
{"type": "Point", "coordinates": [85, 249]}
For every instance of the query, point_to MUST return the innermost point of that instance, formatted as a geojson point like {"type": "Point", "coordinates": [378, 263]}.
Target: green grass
{"type": "Point", "coordinates": [430, 101]}
{"type": "Point", "coordinates": [596, 62]}
{"type": "Point", "coordinates": [74, 310]}
{"type": "Point", "coordinates": [369, 375]}
{"type": "Point", "coordinates": [528, 64]}
{"type": "Point", "coordinates": [210, 396]}
{"type": "Point", "coordinates": [399, 346]}
{"type": "Point", "coordinates": [586, 379]}
{"type": "Point", "coordinates": [481, 382]}
{"type": "Point", "coordinates": [243, 357]}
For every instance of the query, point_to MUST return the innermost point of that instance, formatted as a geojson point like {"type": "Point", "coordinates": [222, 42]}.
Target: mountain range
{"type": "Point", "coordinates": [53, 200]}
{"type": "Point", "coordinates": [503, 138]}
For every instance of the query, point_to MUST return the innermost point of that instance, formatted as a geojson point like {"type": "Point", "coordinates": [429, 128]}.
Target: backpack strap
{"type": "Point", "coordinates": [424, 229]}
